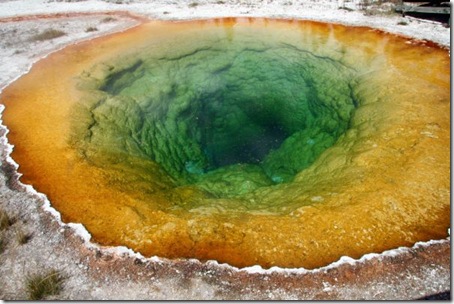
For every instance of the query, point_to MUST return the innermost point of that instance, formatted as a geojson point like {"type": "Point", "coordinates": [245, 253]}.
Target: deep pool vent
{"type": "Point", "coordinates": [149, 139]}
{"type": "Point", "coordinates": [230, 116]}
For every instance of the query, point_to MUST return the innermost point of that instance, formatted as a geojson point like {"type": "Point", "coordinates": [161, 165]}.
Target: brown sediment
{"type": "Point", "coordinates": [393, 189]}
{"type": "Point", "coordinates": [127, 14]}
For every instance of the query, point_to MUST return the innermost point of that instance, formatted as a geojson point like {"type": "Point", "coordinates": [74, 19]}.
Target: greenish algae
{"type": "Point", "coordinates": [228, 116]}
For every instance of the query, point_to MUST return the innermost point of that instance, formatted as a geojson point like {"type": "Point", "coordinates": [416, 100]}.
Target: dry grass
{"type": "Point", "coordinates": [346, 9]}
{"type": "Point", "coordinates": [22, 237]}
{"type": "Point", "coordinates": [5, 223]}
{"type": "Point", "coordinates": [91, 29]}
{"type": "Point", "coordinates": [108, 19]}
{"type": "Point", "coordinates": [41, 286]}
{"type": "Point", "coordinates": [5, 220]}
{"type": "Point", "coordinates": [2, 244]}
{"type": "Point", "coordinates": [48, 35]}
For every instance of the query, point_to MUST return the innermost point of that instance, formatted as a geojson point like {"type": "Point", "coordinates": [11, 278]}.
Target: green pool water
{"type": "Point", "coordinates": [227, 115]}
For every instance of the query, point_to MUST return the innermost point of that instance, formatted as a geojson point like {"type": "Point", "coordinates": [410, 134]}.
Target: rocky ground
{"type": "Point", "coordinates": [33, 241]}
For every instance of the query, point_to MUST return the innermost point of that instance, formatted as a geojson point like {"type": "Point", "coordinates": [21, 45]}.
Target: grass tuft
{"type": "Point", "coordinates": [108, 19]}
{"type": "Point", "coordinates": [5, 221]}
{"type": "Point", "coordinates": [41, 286]}
{"type": "Point", "coordinates": [193, 4]}
{"type": "Point", "coordinates": [91, 29]}
{"type": "Point", "coordinates": [2, 244]}
{"type": "Point", "coordinates": [348, 9]}
{"type": "Point", "coordinates": [48, 35]}
{"type": "Point", "coordinates": [22, 237]}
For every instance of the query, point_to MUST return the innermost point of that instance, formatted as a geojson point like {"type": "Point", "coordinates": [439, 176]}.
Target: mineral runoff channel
{"type": "Point", "coordinates": [246, 141]}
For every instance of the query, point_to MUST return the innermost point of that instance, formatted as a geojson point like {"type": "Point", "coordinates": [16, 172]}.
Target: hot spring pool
{"type": "Point", "coordinates": [247, 141]}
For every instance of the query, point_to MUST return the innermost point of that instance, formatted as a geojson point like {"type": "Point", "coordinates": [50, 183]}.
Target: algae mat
{"type": "Point", "coordinates": [247, 141]}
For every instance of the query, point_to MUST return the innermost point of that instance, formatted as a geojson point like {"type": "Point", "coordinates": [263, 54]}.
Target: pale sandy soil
{"type": "Point", "coordinates": [97, 273]}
